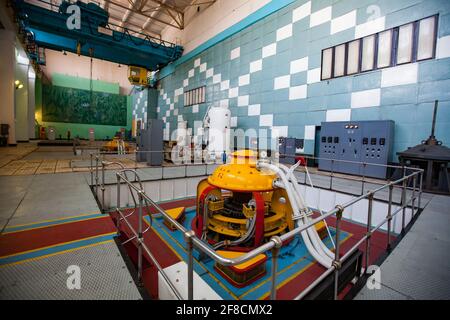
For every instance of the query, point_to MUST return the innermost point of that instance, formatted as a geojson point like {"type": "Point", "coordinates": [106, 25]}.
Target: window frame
{"type": "Point", "coordinates": [195, 96]}
{"type": "Point", "coordinates": [394, 49]}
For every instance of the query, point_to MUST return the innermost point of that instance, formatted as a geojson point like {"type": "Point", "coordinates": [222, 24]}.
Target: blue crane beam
{"type": "Point", "coordinates": [95, 37]}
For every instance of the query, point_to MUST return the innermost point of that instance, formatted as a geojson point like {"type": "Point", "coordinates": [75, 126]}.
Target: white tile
{"type": "Point", "coordinates": [233, 93]}
{"type": "Point", "coordinates": [339, 115]}
{"type": "Point", "coordinates": [235, 53]}
{"type": "Point", "coordinates": [310, 132]}
{"type": "Point", "coordinates": [282, 82]}
{"type": "Point", "coordinates": [298, 92]}
{"type": "Point", "coordinates": [191, 73]}
{"type": "Point", "coordinates": [165, 96]}
{"type": "Point", "coordinates": [168, 101]}
{"type": "Point", "coordinates": [185, 82]}
{"type": "Point", "coordinates": [233, 122]}
{"type": "Point", "coordinates": [217, 78]}
{"type": "Point", "coordinates": [320, 17]}
{"type": "Point", "coordinates": [209, 73]}
{"type": "Point", "coordinates": [370, 27]}
{"type": "Point", "coordinates": [175, 112]}
{"type": "Point", "coordinates": [225, 85]}
{"type": "Point", "coordinates": [266, 120]}
{"type": "Point", "coordinates": [203, 67]}
{"type": "Point", "coordinates": [301, 12]}
{"type": "Point", "coordinates": [172, 106]}
{"type": "Point", "coordinates": [146, 103]}
{"type": "Point", "coordinates": [167, 113]}
{"type": "Point", "coordinates": [179, 92]}
{"type": "Point", "coordinates": [313, 75]}
{"type": "Point", "coordinates": [195, 108]}
{"type": "Point", "coordinates": [164, 119]}
{"type": "Point", "coordinates": [197, 63]}
{"type": "Point", "coordinates": [269, 50]}
{"type": "Point", "coordinates": [254, 110]}
{"type": "Point", "coordinates": [158, 109]}
{"type": "Point", "coordinates": [284, 32]}
{"type": "Point", "coordinates": [279, 131]}
{"type": "Point", "coordinates": [343, 22]}
{"type": "Point", "coordinates": [244, 80]}
{"type": "Point", "coordinates": [161, 92]}
{"type": "Point", "coordinates": [256, 66]}
{"type": "Point", "coordinates": [180, 118]}
{"type": "Point", "coordinates": [443, 47]}
{"type": "Point", "coordinates": [299, 65]}
{"type": "Point", "coordinates": [366, 98]}
{"type": "Point", "coordinates": [224, 103]}
{"type": "Point", "coordinates": [400, 75]}
{"type": "Point", "coordinates": [243, 101]}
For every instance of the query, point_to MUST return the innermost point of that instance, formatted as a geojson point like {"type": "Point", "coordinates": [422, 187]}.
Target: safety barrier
{"type": "Point", "coordinates": [275, 243]}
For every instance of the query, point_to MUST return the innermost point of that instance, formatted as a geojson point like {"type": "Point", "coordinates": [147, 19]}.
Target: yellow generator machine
{"type": "Point", "coordinates": [138, 76]}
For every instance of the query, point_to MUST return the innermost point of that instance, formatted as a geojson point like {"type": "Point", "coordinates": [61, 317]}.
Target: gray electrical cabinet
{"type": "Point", "coordinates": [150, 143]}
{"type": "Point", "coordinates": [358, 144]}
{"type": "Point", "coordinates": [155, 142]}
{"type": "Point", "coordinates": [287, 148]}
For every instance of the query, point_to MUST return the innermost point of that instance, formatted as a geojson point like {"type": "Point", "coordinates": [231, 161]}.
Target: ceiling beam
{"type": "Point", "coordinates": [111, 2]}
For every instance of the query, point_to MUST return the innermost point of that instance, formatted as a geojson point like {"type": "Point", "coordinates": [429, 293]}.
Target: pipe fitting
{"type": "Point", "coordinates": [276, 241]}
{"type": "Point", "coordinates": [340, 211]}
{"type": "Point", "coordinates": [336, 264]}
{"type": "Point", "coordinates": [188, 235]}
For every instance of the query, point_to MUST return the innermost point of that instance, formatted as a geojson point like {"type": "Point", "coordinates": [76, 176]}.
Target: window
{"type": "Point", "coordinates": [384, 49]}
{"type": "Point", "coordinates": [408, 43]}
{"type": "Point", "coordinates": [195, 96]}
{"type": "Point", "coordinates": [425, 46]}
{"type": "Point", "coordinates": [353, 57]}
{"type": "Point", "coordinates": [339, 60]}
{"type": "Point", "coordinates": [405, 43]}
{"type": "Point", "coordinates": [327, 63]}
{"type": "Point", "coordinates": [368, 53]}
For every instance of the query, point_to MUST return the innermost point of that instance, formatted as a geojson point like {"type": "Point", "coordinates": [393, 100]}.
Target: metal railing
{"type": "Point", "coordinates": [275, 242]}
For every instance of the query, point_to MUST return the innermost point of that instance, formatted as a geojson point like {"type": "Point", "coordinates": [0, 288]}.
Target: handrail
{"type": "Point", "coordinates": [193, 242]}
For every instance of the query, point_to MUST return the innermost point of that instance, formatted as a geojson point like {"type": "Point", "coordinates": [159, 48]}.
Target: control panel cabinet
{"type": "Point", "coordinates": [356, 143]}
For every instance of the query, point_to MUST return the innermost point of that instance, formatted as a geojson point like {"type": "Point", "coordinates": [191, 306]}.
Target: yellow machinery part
{"type": "Point", "coordinates": [138, 76]}
{"type": "Point", "coordinates": [282, 206]}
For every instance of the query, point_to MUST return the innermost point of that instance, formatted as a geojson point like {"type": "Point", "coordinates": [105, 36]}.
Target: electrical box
{"type": "Point", "coordinates": [155, 142]}
{"type": "Point", "coordinates": [288, 147]}
{"type": "Point", "coordinates": [358, 144]}
{"type": "Point", "coordinates": [149, 143]}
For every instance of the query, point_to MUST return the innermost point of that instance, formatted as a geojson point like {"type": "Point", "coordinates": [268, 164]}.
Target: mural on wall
{"type": "Point", "coordinates": [69, 105]}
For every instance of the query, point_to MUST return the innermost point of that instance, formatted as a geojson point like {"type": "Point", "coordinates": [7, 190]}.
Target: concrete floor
{"type": "Point", "coordinates": [418, 268]}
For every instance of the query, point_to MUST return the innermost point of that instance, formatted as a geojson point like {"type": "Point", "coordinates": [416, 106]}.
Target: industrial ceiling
{"type": "Point", "coordinates": [145, 16]}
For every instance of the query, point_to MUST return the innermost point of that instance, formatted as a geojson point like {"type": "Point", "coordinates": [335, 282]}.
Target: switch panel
{"type": "Point", "coordinates": [356, 143]}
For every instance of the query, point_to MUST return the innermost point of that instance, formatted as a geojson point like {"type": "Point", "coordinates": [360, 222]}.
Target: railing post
{"type": "Point", "coordinates": [389, 217]}
{"type": "Point", "coordinates": [103, 187]}
{"type": "Point", "coordinates": [190, 263]}
{"type": "Point", "coordinates": [413, 197]}
{"type": "Point", "coordinates": [403, 205]}
{"type": "Point", "coordinates": [331, 176]}
{"type": "Point", "coordinates": [337, 260]}
{"type": "Point", "coordinates": [91, 169]}
{"type": "Point", "coordinates": [275, 250]}
{"type": "Point", "coordinates": [369, 227]}
{"type": "Point", "coordinates": [118, 204]}
{"type": "Point", "coordinates": [140, 237]}
{"type": "Point", "coordinates": [363, 178]}
{"type": "Point", "coordinates": [420, 190]}
{"type": "Point", "coordinates": [96, 176]}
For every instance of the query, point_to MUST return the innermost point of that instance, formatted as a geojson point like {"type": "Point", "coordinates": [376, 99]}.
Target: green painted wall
{"type": "Point", "coordinates": [79, 129]}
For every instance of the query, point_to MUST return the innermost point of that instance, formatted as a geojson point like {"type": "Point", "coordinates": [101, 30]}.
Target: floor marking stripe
{"type": "Point", "coordinates": [56, 253]}
{"type": "Point", "coordinates": [54, 220]}
{"type": "Point", "coordinates": [54, 248]}
{"type": "Point", "coordinates": [52, 224]}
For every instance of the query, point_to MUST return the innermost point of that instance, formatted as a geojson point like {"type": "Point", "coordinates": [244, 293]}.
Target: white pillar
{"type": "Point", "coordinates": [21, 103]}
{"type": "Point", "coordinates": [31, 103]}
{"type": "Point", "coordinates": [7, 58]}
